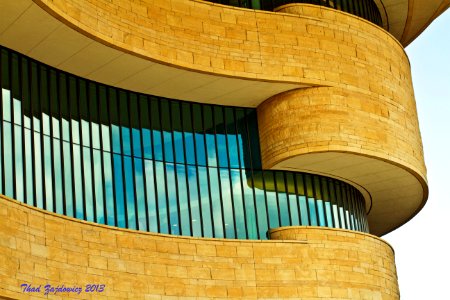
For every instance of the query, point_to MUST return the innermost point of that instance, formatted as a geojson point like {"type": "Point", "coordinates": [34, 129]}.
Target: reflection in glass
{"type": "Point", "coordinates": [87, 175]}
{"type": "Point", "coordinates": [28, 167]}
{"type": "Point", "coordinates": [140, 194]}
{"type": "Point", "coordinates": [282, 199]}
{"type": "Point", "coordinates": [18, 171]}
{"type": "Point", "coordinates": [161, 196]}
{"type": "Point", "coordinates": [129, 192]}
{"type": "Point", "coordinates": [68, 179]}
{"type": "Point", "coordinates": [109, 189]}
{"type": "Point", "coordinates": [272, 203]}
{"type": "Point", "coordinates": [206, 208]}
{"type": "Point", "coordinates": [151, 196]}
{"type": "Point", "coordinates": [227, 200]}
{"type": "Point", "coordinates": [194, 201]}
{"type": "Point", "coordinates": [57, 176]}
{"type": "Point", "coordinates": [185, 214]}
{"type": "Point", "coordinates": [38, 170]}
{"type": "Point", "coordinates": [130, 160]}
{"type": "Point", "coordinates": [78, 182]}
{"type": "Point", "coordinates": [119, 192]}
{"type": "Point", "coordinates": [98, 187]}
{"type": "Point", "coordinates": [217, 209]}
{"type": "Point", "coordinates": [239, 214]}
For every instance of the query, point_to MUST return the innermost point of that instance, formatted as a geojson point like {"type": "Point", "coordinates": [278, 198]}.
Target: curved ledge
{"type": "Point", "coordinates": [44, 248]}
{"type": "Point", "coordinates": [371, 141]}
{"type": "Point", "coordinates": [306, 234]}
{"type": "Point", "coordinates": [239, 57]}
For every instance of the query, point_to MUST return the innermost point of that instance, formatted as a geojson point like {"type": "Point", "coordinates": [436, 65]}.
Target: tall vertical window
{"type": "Point", "coordinates": [110, 156]}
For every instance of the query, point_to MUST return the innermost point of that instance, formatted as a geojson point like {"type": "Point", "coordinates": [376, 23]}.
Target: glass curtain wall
{"type": "Point", "coordinates": [366, 9]}
{"type": "Point", "coordinates": [110, 156]}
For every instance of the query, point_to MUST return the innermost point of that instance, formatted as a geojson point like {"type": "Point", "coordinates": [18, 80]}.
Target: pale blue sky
{"type": "Point", "coordinates": [422, 246]}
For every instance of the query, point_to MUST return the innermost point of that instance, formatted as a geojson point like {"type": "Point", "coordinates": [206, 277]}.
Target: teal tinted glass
{"type": "Point", "coordinates": [106, 155]}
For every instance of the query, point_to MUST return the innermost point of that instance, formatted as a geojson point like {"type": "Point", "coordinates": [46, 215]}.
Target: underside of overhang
{"type": "Point", "coordinates": [407, 19]}
{"type": "Point", "coordinates": [28, 29]}
{"type": "Point", "coordinates": [393, 194]}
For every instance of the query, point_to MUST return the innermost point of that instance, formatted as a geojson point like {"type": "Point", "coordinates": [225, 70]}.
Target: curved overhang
{"type": "Point", "coordinates": [238, 56]}
{"type": "Point", "coordinates": [367, 140]}
{"type": "Point", "coordinates": [394, 194]}
{"type": "Point", "coordinates": [243, 57]}
{"type": "Point", "coordinates": [48, 36]}
{"type": "Point", "coordinates": [407, 19]}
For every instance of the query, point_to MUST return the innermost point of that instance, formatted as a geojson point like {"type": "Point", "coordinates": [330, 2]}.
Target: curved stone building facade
{"type": "Point", "coordinates": [192, 149]}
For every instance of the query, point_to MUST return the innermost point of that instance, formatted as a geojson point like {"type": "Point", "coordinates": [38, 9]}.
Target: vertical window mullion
{"type": "Point", "coordinates": [41, 138]}
{"type": "Point", "coordinates": [346, 200]}
{"type": "Point", "coordinates": [133, 158]}
{"type": "Point", "coordinates": [324, 206]}
{"type": "Point", "coordinates": [316, 203]}
{"type": "Point", "coordinates": [91, 150]}
{"type": "Point", "coordinates": [363, 214]}
{"type": "Point", "coordinates": [196, 169]}
{"type": "Point", "coordinates": [263, 180]}
{"type": "Point", "coordinates": [169, 225]}
{"type": "Point", "coordinates": [175, 169]}
{"type": "Point", "coordinates": [80, 134]}
{"type": "Point", "coordinates": [22, 127]}
{"type": "Point", "coordinates": [327, 182]}
{"type": "Point", "coordinates": [222, 209]}
{"type": "Point", "coordinates": [286, 189]}
{"type": "Point", "coordinates": [257, 216]}
{"type": "Point", "coordinates": [122, 154]}
{"type": "Point", "coordinates": [13, 137]}
{"type": "Point", "coordinates": [61, 144]}
{"type": "Point", "coordinates": [207, 173]}
{"type": "Point", "coordinates": [102, 162]}
{"type": "Point", "coordinates": [240, 174]}
{"type": "Point", "coordinates": [233, 211]}
{"type": "Point", "coordinates": [305, 189]}
{"type": "Point", "coordinates": [351, 200]}
{"type": "Point", "coordinates": [50, 117]}
{"type": "Point", "coordinates": [113, 171]}
{"type": "Point", "coordinates": [275, 182]}
{"type": "Point", "coordinates": [71, 154]}
{"type": "Point", "coordinates": [188, 194]}
{"type": "Point", "coordinates": [351, 6]}
{"type": "Point", "coordinates": [294, 176]}
{"type": "Point", "coordinates": [343, 202]}
{"type": "Point", "coordinates": [355, 210]}
{"type": "Point", "coordinates": [144, 173]}
{"type": "Point", "coordinates": [150, 113]}
{"type": "Point", "coordinates": [25, 90]}
{"type": "Point", "coordinates": [2, 160]}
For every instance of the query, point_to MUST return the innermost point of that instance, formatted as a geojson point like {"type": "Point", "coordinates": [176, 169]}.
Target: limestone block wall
{"type": "Point", "coordinates": [339, 119]}
{"type": "Point", "coordinates": [366, 67]}
{"type": "Point", "coordinates": [39, 248]}
{"type": "Point", "coordinates": [323, 46]}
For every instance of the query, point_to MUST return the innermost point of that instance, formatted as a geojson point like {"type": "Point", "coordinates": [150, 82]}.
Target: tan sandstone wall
{"type": "Point", "coordinates": [367, 68]}
{"type": "Point", "coordinates": [337, 119]}
{"type": "Point", "coordinates": [367, 102]}
{"type": "Point", "coordinates": [322, 46]}
{"type": "Point", "coordinates": [39, 247]}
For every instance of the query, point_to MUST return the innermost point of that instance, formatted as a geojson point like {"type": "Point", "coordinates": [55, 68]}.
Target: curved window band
{"type": "Point", "coordinates": [102, 154]}
{"type": "Point", "coordinates": [366, 9]}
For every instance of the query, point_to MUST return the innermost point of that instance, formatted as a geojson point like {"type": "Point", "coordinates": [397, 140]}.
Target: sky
{"type": "Point", "coordinates": [422, 246]}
